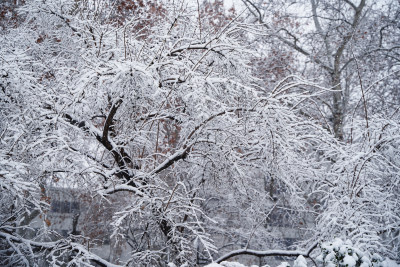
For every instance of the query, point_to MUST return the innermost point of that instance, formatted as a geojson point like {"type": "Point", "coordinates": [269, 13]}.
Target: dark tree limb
{"type": "Point", "coordinates": [268, 253]}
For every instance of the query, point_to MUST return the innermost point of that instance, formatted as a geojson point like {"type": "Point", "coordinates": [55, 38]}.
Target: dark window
{"type": "Point", "coordinates": [64, 206]}
{"type": "Point", "coordinates": [74, 207]}
{"type": "Point", "coordinates": [289, 241]}
{"type": "Point", "coordinates": [55, 206]}
{"type": "Point", "coordinates": [106, 241]}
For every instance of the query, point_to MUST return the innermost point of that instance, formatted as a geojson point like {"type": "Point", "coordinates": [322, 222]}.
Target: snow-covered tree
{"type": "Point", "coordinates": [166, 115]}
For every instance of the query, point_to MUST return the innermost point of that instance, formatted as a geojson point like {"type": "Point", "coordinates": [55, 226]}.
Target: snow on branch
{"type": "Point", "coordinates": [268, 253]}
{"type": "Point", "coordinates": [82, 255]}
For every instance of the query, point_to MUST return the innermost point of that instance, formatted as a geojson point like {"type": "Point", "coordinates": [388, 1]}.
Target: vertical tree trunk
{"type": "Point", "coordinates": [337, 107]}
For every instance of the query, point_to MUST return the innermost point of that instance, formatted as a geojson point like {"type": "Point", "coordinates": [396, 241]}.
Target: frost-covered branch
{"type": "Point", "coordinates": [268, 253]}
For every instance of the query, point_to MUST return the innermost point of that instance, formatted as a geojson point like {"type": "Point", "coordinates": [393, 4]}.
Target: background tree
{"type": "Point", "coordinates": [336, 39]}
{"type": "Point", "coordinates": [352, 47]}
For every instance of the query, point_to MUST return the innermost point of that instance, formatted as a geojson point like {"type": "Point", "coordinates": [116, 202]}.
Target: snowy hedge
{"type": "Point", "coordinates": [338, 253]}
{"type": "Point", "coordinates": [343, 254]}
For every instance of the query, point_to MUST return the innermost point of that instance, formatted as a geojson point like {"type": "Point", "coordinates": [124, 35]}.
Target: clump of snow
{"type": "Point", "coordinates": [226, 264]}
{"type": "Point", "coordinates": [388, 263]}
{"type": "Point", "coordinates": [237, 264]}
{"type": "Point", "coordinates": [284, 264]}
{"type": "Point", "coordinates": [231, 264]}
{"type": "Point", "coordinates": [300, 262]}
{"type": "Point", "coordinates": [349, 261]}
{"type": "Point", "coordinates": [213, 265]}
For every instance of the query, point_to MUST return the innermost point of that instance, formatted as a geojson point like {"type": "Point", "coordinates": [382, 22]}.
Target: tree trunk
{"type": "Point", "coordinates": [337, 108]}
